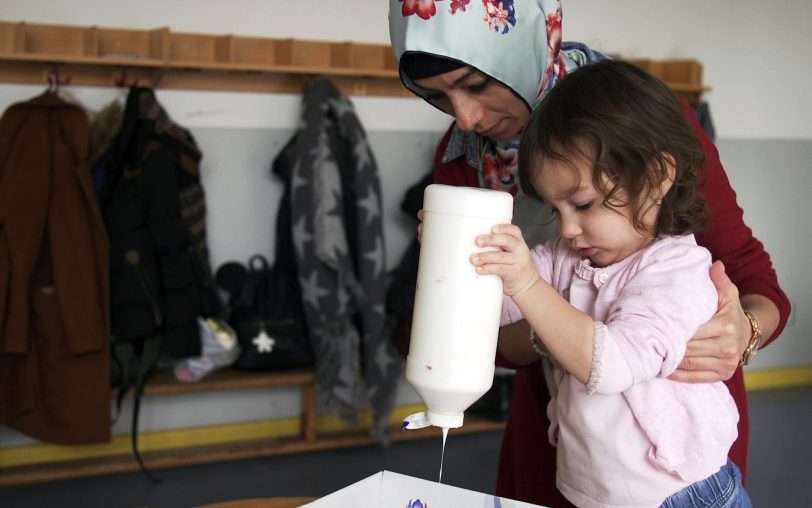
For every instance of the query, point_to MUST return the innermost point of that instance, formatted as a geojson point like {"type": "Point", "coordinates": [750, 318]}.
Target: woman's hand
{"type": "Point", "coordinates": [511, 261]}
{"type": "Point", "coordinates": [713, 354]}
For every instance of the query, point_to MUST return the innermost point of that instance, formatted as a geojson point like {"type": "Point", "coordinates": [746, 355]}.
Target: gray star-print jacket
{"type": "Point", "coordinates": [339, 245]}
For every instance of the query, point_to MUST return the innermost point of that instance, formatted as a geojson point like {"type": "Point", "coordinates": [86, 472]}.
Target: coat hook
{"type": "Point", "coordinates": [158, 77]}
{"type": "Point", "coordinates": [308, 79]}
{"type": "Point", "coordinates": [122, 80]}
{"type": "Point", "coordinates": [54, 81]}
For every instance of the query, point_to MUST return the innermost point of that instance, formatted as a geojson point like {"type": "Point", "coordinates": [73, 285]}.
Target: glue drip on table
{"type": "Point", "coordinates": [419, 421]}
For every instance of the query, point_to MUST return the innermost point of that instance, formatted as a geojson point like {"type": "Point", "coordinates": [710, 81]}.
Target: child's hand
{"type": "Point", "coordinates": [511, 262]}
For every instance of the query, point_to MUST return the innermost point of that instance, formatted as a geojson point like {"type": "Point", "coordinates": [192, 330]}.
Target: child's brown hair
{"type": "Point", "coordinates": [629, 124]}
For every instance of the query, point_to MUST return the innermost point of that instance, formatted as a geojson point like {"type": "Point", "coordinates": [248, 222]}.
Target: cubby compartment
{"type": "Point", "coordinates": [308, 55]}
{"type": "Point", "coordinates": [680, 75]}
{"type": "Point", "coordinates": [370, 56]}
{"type": "Point", "coordinates": [340, 55]}
{"type": "Point", "coordinates": [52, 40]}
{"type": "Point", "coordinates": [199, 49]}
{"type": "Point", "coordinates": [254, 51]}
{"type": "Point", "coordinates": [11, 37]}
{"type": "Point", "coordinates": [133, 44]}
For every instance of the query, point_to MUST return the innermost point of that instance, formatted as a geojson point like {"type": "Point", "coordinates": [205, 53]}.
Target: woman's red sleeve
{"type": "Point", "coordinates": [729, 239]}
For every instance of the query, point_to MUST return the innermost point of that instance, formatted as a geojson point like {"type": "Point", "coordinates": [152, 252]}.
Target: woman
{"type": "Point", "coordinates": [487, 64]}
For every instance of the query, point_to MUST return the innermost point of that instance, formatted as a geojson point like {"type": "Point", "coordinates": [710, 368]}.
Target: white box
{"type": "Point", "coordinates": [394, 490]}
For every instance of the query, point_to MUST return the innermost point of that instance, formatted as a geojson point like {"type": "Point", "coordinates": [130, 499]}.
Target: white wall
{"type": "Point", "coordinates": [756, 59]}
{"type": "Point", "coordinates": [356, 20]}
{"type": "Point", "coordinates": [754, 54]}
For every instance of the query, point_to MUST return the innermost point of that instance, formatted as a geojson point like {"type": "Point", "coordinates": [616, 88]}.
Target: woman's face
{"type": "Point", "coordinates": [478, 102]}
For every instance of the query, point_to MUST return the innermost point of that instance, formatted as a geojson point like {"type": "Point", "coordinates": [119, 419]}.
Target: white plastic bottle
{"type": "Point", "coordinates": [456, 311]}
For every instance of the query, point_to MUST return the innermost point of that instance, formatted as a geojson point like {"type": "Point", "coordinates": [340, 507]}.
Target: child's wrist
{"type": "Point", "coordinates": [527, 285]}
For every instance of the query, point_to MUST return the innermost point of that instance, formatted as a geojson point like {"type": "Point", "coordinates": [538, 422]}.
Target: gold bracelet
{"type": "Point", "coordinates": [755, 340]}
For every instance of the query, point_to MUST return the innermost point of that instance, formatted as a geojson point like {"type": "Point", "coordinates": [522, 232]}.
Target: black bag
{"type": "Point", "coordinates": [266, 312]}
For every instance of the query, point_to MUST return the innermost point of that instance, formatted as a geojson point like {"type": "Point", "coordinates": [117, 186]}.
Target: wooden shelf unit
{"type": "Point", "coordinates": [96, 56]}
{"type": "Point", "coordinates": [683, 76]}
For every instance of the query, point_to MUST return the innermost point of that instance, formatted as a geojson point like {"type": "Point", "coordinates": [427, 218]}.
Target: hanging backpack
{"type": "Point", "coordinates": [266, 312]}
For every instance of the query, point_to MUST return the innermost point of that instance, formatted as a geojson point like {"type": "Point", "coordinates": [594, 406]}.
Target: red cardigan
{"type": "Point", "coordinates": [527, 460]}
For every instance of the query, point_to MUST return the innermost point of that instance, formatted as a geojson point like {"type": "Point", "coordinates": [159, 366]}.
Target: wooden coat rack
{"type": "Point", "coordinates": [97, 56]}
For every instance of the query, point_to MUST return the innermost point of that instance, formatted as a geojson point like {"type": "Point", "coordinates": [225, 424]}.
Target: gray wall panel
{"type": "Point", "coordinates": [773, 180]}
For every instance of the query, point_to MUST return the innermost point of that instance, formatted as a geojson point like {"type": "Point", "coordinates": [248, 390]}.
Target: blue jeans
{"type": "Point", "coordinates": [720, 490]}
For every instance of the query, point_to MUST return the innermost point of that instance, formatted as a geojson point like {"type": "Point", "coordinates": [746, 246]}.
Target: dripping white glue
{"type": "Point", "coordinates": [455, 325]}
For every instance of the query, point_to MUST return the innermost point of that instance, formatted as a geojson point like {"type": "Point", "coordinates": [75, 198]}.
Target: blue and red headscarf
{"type": "Point", "coordinates": [516, 42]}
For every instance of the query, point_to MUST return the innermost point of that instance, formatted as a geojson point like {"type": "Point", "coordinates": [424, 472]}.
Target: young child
{"type": "Point", "coordinates": [614, 299]}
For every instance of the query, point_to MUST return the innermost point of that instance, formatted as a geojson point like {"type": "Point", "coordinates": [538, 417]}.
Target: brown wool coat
{"type": "Point", "coordinates": [54, 278]}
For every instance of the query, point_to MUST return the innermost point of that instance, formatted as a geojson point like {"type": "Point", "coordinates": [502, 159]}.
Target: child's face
{"type": "Point", "coordinates": [603, 234]}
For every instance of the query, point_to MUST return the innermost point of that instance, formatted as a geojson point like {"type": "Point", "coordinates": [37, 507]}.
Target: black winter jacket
{"type": "Point", "coordinates": [154, 208]}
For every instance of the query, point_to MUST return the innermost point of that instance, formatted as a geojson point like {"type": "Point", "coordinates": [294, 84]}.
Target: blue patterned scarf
{"type": "Point", "coordinates": [517, 42]}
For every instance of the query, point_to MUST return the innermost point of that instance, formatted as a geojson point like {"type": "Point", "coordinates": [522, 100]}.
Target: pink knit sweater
{"type": "Point", "coordinates": [631, 437]}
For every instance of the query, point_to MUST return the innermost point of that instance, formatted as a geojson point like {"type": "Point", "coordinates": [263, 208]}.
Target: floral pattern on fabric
{"type": "Point", "coordinates": [458, 5]}
{"type": "Point", "coordinates": [500, 166]}
{"type": "Point", "coordinates": [538, 25]}
{"type": "Point", "coordinates": [556, 66]}
{"type": "Point", "coordinates": [423, 8]}
{"type": "Point", "coordinates": [499, 14]}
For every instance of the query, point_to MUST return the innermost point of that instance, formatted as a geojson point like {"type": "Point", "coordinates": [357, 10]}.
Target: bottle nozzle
{"type": "Point", "coordinates": [426, 418]}
{"type": "Point", "coordinates": [445, 421]}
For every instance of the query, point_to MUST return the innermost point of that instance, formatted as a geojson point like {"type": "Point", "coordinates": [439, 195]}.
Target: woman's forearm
{"type": "Point", "coordinates": [567, 332]}
{"type": "Point", "coordinates": [514, 344]}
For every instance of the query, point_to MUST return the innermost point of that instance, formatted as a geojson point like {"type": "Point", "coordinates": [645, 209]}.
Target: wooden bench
{"type": "Point", "coordinates": [163, 384]}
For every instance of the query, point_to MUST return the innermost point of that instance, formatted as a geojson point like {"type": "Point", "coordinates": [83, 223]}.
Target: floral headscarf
{"type": "Point", "coordinates": [517, 42]}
